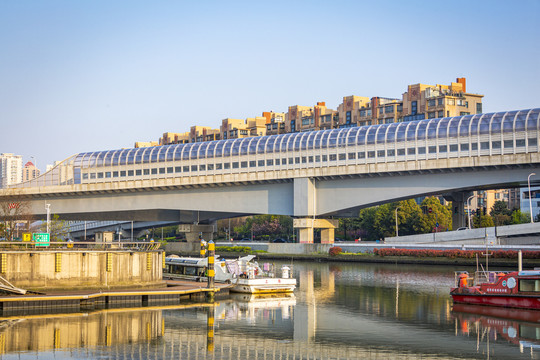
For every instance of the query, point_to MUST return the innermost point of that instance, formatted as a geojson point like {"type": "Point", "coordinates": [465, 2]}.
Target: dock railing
{"type": "Point", "coordinates": [79, 246]}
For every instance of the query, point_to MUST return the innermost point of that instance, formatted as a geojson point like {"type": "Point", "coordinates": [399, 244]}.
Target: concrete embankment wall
{"type": "Point", "coordinates": [40, 270]}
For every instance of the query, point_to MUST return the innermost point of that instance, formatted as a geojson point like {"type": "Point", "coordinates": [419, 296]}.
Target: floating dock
{"type": "Point", "coordinates": [172, 292]}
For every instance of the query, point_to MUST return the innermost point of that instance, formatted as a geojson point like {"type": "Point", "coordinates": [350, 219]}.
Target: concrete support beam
{"type": "Point", "coordinates": [304, 197]}
{"type": "Point", "coordinates": [193, 231]}
{"type": "Point", "coordinates": [307, 225]}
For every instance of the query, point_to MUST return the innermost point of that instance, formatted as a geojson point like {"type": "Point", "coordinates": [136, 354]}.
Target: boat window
{"type": "Point", "coordinates": [529, 285]}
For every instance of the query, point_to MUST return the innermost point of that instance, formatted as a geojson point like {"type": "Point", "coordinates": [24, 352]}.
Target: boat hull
{"type": "Point", "coordinates": [264, 286]}
{"type": "Point", "coordinates": [510, 301]}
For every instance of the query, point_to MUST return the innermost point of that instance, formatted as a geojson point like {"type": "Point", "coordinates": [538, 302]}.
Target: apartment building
{"type": "Point", "coordinates": [142, 144]}
{"type": "Point", "coordinates": [30, 171]}
{"type": "Point", "coordinates": [275, 122]}
{"type": "Point", "coordinates": [169, 138]}
{"type": "Point", "coordinates": [419, 102]}
{"type": "Point", "coordinates": [435, 101]}
{"type": "Point", "coordinates": [203, 133]}
{"type": "Point", "coordinates": [11, 169]}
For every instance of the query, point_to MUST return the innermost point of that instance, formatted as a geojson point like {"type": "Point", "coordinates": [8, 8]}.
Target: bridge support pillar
{"type": "Point", "coordinates": [459, 216]}
{"type": "Point", "coordinates": [193, 232]}
{"type": "Point", "coordinates": [307, 225]}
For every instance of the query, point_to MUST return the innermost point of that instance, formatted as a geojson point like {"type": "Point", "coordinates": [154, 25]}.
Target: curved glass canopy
{"type": "Point", "coordinates": [239, 153]}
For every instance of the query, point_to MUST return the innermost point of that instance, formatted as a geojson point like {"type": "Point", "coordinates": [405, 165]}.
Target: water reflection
{"type": "Point", "coordinates": [347, 311]}
{"type": "Point", "coordinates": [514, 326]}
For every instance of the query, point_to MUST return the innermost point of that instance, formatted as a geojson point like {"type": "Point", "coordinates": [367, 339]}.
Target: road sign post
{"type": "Point", "coordinates": [41, 239]}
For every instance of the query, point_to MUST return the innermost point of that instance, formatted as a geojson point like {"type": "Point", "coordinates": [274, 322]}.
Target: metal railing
{"type": "Point", "coordinates": [79, 246]}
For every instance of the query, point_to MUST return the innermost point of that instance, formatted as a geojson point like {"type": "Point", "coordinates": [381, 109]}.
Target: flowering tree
{"type": "Point", "coordinates": [14, 211]}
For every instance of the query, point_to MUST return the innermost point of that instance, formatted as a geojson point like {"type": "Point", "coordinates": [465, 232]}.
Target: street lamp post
{"type": "Point", "coordinates": [397, 228]}
{"type": "Point", "coordinates": [530, 201]}
{"type": "Point", "coordinates": [469, 208]}
{"type": "Point", "coordinates": [48, 207]}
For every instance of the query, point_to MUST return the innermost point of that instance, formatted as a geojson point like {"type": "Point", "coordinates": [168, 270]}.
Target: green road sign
{"type": "Point", "coordinates": [41, 239]}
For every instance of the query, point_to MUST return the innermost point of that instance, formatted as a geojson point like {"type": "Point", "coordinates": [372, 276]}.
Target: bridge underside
{"type": "Point", "coordinates": [299, 197]}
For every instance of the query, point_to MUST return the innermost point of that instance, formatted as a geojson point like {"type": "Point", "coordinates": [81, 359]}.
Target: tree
{"type": "Point", "coordinates": [265, 225]}
{"type": "Point", "coordinates": [14, 210]}
{"type": "Point", "coordinates": [519, 217]}
{"type": "Point", "coordinates": [369, 231]}
{"type": "Point", "coordinates": [410, 218]}
{"type": "Point", "coordinates": [58, 229]}
{"type": "Point", "coordinates": [439, 214]}
{"type": "Point", "coordinates": [482, 221]}
{"type": "Point", "coordinates": [501, 214]}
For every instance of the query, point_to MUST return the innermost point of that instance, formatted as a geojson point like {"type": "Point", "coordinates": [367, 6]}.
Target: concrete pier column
{"type": "Point", "coordinates": [327, 236]}
{"type": "Point", "coordinates": [459, 205]}
{"type": "Point", "coordinates": [307, 225]}
{"type": "Point", "coordinates": [305, 235]}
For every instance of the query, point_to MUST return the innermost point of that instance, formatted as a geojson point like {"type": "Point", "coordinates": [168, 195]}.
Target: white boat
{"type": "Point", "coordinates": [245, 275]}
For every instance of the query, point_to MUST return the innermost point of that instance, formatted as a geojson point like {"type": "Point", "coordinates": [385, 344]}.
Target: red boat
{"type": "Point", "coordinates": [517, 289]}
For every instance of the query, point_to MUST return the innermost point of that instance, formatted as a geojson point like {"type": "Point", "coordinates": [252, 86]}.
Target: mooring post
{"type": "Point", "coordinates": [211, 271]}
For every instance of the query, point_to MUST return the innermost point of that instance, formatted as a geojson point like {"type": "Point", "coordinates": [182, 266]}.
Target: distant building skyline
{"type": "Point", "coordinates": [420, 101]}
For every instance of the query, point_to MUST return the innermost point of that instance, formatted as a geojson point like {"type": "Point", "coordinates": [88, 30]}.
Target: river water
{"type": "Point", "coordinates": [339, 311]}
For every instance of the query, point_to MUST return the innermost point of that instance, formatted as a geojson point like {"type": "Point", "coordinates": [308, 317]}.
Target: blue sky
{"type": "Point", "coordinates": [94, 75]}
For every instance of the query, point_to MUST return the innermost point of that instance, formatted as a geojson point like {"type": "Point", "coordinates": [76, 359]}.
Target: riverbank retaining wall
{"type": "Point", "coordinates": [40, 270]}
